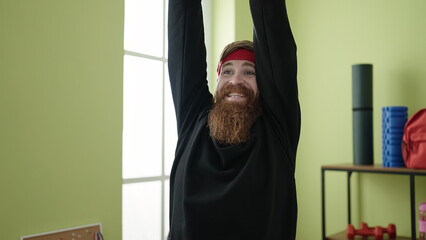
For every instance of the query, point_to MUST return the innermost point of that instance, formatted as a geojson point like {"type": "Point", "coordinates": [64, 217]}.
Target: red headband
{"type": "Point", "coordinates": [239, 54]}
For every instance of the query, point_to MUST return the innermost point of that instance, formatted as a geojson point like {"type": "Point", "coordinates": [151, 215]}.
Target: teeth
{"type": "Point", "coordinates": [234, 95]}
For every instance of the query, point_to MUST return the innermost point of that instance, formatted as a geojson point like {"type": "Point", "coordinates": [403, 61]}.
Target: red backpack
{"type": "Point", "coordinates": [414, 141]}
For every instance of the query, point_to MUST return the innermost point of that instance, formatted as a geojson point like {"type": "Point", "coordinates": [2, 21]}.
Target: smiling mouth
{"type": "Point", "coordinates": [236, 95]}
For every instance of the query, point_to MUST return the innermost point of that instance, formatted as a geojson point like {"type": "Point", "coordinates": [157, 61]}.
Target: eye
{"type": "Point", "coordinates": [250, 73]}
{"type": "Point", "coordinates": [226, 71]}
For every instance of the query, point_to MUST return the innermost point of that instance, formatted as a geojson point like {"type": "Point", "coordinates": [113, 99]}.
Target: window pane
{"type": "Point", "coordinates": [142, 211]}
{"type": "Point", "coordinates": [170, 129]}
{"type": "Point", "coordinates": [143, 27]}
{"type": "Point", "coordinates": [167, 34]}
{"type": "Point", "coordinates": [166, 208]}
{"type": "Point", "coordinates": [142, 117]}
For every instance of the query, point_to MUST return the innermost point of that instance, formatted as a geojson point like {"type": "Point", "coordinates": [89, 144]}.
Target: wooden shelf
{"type": "Point", "coordinates": [349, 169]}
{"type": "Point", "coordinates": [342, 236]}
{"type": "Point", "coordinates": [374, 169]}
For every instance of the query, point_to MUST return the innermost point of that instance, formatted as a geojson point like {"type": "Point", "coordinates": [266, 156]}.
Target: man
{"type": "Point", "coordinates": [233, 174]}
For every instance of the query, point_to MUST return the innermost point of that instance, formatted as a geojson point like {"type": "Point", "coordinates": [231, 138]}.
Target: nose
{"type": "Point", "coordinates": [236, 79]}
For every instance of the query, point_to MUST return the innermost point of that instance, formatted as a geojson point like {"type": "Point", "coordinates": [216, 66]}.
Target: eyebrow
{"type": "Point", "coordinates": [226, 64]}
{"type": "Point", "coordinates": [246, 63]}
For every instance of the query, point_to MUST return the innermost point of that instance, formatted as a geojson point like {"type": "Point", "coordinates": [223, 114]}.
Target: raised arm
{"type": "Point", "coordinates": [187, 61]}
{"type": "Point", "coordinates": [276, 66]}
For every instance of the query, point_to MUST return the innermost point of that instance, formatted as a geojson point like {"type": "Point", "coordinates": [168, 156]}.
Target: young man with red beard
{"type": "Point", "coordinates": [233, 173]}
{"type": "Point", "coordinates": [237, 103]}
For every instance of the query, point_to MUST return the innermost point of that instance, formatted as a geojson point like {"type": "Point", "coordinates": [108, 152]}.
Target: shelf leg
{"type": "Point", "coordinates": [349, 196]}
{"type": "Point", "coordinates": [323, 202]}
{"type": "Point", "coordinates": [412, 205]}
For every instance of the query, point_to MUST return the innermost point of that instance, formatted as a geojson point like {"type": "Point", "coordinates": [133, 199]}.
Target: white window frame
{"type": "Point", "coordinates": [164, 177]}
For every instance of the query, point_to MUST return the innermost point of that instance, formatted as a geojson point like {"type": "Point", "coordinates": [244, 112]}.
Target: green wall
{"type": "Point", "coordinates": [331, 36]}
{"type": "Point", "coordinates": [222, 33]}
{"type": "Point", "coordinates": [61, 115]}
{"type": "Point", "coordinates": [231, 21]}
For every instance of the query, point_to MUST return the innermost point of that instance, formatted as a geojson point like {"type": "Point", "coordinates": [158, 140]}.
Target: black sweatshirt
{"type": "Point", "coordinates": [244, 191]}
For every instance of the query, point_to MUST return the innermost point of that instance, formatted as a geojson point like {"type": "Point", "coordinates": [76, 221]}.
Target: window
{"type": "Point", "coordinates": [149, 123]}
{"type": "Point", "coordinates": [149, 127]}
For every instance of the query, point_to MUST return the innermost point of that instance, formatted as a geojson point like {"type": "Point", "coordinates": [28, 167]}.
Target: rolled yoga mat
{"type": "Point", "coordinates": [362, 106]}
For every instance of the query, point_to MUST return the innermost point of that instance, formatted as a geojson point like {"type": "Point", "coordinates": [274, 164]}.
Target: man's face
{"type": "Point", "coordinates": [237, 72]}
{"type": "Point", "coordinates": [237, 103]}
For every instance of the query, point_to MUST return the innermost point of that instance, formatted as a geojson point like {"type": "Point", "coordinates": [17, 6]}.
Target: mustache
{"type": "Point", "coordinates": [231, 88]}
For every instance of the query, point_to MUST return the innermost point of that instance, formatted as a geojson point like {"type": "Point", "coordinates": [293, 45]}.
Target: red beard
{"type": "Point", "coordinates": [231, 122]}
